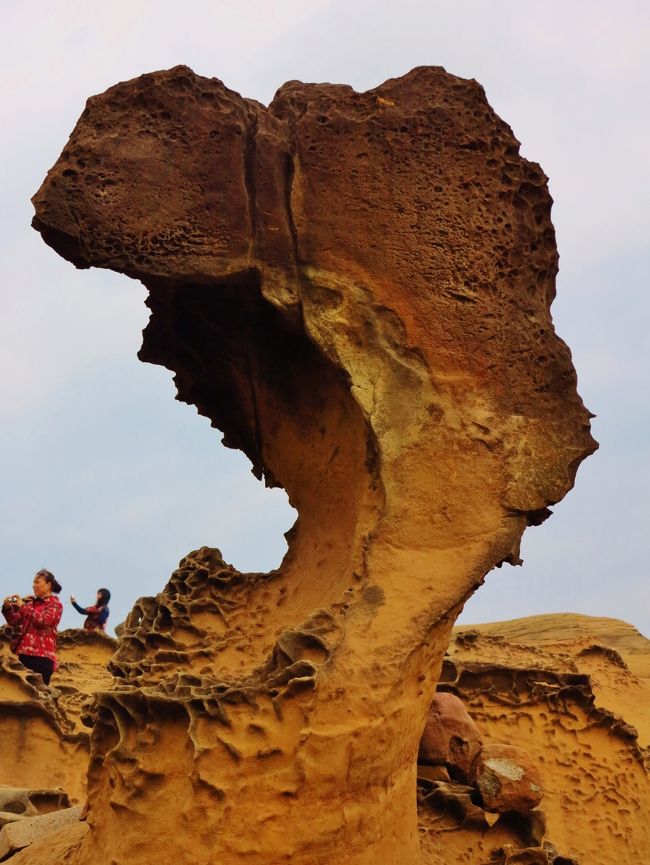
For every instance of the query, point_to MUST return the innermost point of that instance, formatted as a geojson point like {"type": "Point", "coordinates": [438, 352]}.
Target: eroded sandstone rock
{"type": "Point", "coordinates": [355, 288]}
{"type": "Point", "coordinates": [541, 683]}
{"type": "Point", "coordinates": [455, 827]}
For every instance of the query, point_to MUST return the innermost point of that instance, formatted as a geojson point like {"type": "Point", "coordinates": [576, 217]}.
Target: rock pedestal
{"type": "Point", "coordinates": [355, 288]}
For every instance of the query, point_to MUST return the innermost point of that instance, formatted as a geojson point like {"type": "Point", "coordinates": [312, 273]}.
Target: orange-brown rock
{"type": "Point", "coordinates": [509, 780]}
{"type": "Point", "coordinates": [455, 827]}
{"type": "Point", "coordinates": [355, 288]}
{"type": "Point", "coordinates": [561, 686]}
{"type": "Point", "coordinates": [450, 737]}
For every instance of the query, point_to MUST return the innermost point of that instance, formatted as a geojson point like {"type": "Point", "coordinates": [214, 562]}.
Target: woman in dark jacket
{"type": "Point", "coordinates": [97, 615]}
{"type": "Point", "coordinates": [34, 621]}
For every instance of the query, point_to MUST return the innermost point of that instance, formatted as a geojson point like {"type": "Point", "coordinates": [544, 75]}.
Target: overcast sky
{"type": "Point", "coordinates": [108, 481]}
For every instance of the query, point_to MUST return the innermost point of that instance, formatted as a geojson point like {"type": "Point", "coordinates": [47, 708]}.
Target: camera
{"type": "Point", "coordinates": [14, 599]}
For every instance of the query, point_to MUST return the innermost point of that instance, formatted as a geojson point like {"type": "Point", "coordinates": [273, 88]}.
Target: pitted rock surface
{"type": "Point", "coordinates": [573, 691]}
{"type": "Point", "coordinates": [355, 288]}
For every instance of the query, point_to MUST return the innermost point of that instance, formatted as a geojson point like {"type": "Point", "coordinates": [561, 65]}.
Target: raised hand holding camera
{"type": "Point", "coordinates": [13, 601]}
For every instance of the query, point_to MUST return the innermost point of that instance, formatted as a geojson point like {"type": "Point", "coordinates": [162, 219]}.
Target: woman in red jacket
{"type": "Point", "coordinates": [34, 621]}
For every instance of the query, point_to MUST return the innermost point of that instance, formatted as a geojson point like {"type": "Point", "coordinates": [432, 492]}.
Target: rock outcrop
{"type": "Point", "coordinates": [573, 691]}
{"type": "Point", "coordinates": [355, 288]}
{"type": "Point", "coordinates": [28, 802]}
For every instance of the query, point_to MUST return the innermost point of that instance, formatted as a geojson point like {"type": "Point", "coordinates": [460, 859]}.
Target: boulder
{"type": "Point", "coordinates": [450, 737]}
{"type": "Point", "coordinates": [21, 833]}
{"type": "Point", "coordinates": [507, 778]}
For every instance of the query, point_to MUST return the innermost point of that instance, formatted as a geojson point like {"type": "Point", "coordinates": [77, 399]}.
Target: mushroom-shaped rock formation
{"type": "Point", "coordinates": [354, 288]}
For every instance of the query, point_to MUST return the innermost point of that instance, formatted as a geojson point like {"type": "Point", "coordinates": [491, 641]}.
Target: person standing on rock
{"type": "Point", "coordinates": [34, 621]}
{"type": "Point", "coordinates": [97, 615]}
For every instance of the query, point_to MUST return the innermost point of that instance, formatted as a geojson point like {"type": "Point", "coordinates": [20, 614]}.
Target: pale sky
{"type": "Point", "coordinates": [108, 481]}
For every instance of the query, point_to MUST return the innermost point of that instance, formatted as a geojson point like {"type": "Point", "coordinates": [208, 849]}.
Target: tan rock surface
{"type": "Point", "coordinates": [23, 833]}
{"type": "Point", "coordinates": [355, 288]}
{"type": "Point", "coordinates": [613, 653]}
{"type": "Point", "coordinates": [60, 846]}
{"type": "Point", "coordinates": [8, 817]}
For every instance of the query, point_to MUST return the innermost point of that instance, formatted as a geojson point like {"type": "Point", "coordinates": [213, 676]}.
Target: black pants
{"type": "Point", "coordinates": [44, 666]}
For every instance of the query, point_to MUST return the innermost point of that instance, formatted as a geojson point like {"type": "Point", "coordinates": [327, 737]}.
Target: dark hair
{"type": "Point", "coordinates": [49, 577]}
{"type": "Point", "coordinates": [104, 597]}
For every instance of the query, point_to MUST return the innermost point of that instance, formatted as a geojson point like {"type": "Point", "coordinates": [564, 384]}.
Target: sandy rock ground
{"type": "Point", "coordinates": [572, 690]}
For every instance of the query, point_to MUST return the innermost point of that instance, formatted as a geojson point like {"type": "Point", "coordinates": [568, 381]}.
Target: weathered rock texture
{"type": "Point", "coordinates": [574, 692]}
{"type": "Point", "coordinates": [28, 802]}
{"type": "Point", "coordinates": [355, 288]}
